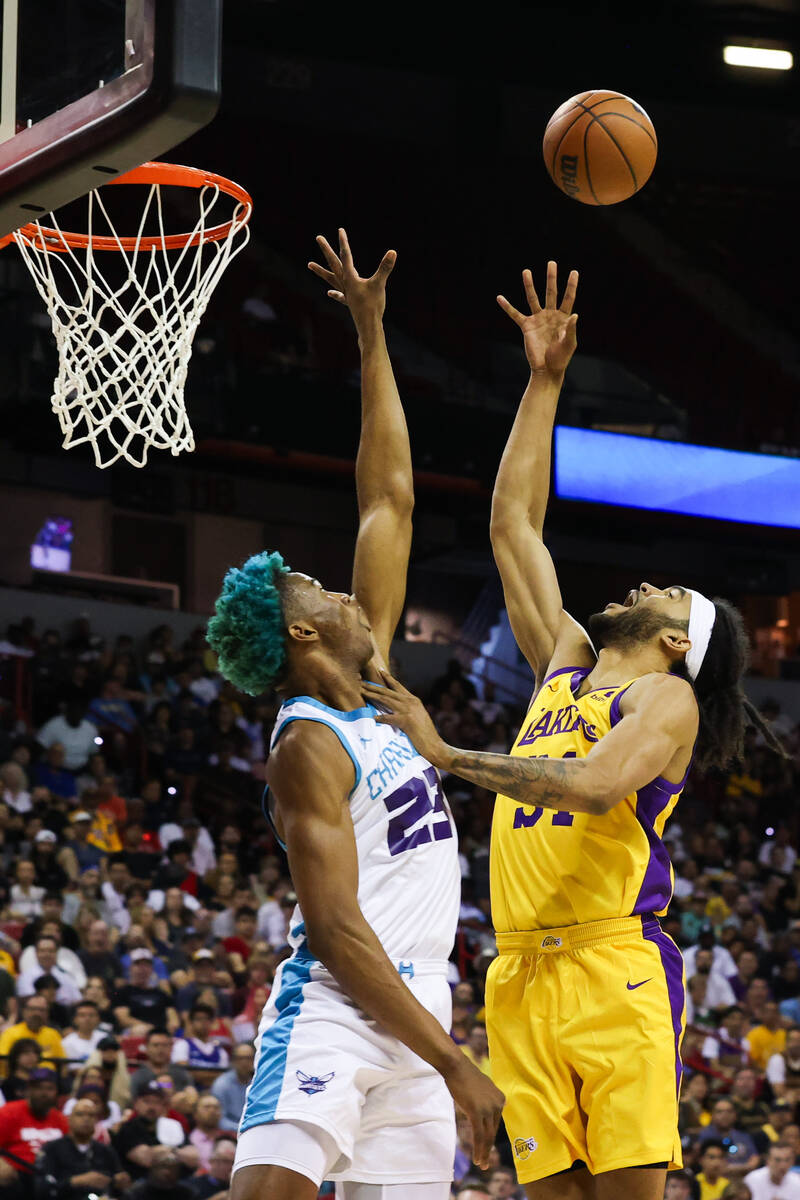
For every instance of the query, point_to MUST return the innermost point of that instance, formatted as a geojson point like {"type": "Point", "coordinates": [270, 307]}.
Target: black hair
{"type": "Point", "coordinates": [157, 1031]}
{"type": "Point", "coordinates": [178, 846]}
{"type": "Point", "coordinates": [18, 1049]}
{"type": "Point", "coordinates": [724, 708]}
{"type": "Point", "coordinates": [245, 911]}
{"type": "Point", "coordinates": [712, 1143]}
{"type": "Point", "coordinates": [202, 1008]}
{"type": "Point", "coordinates": [44, 982]}
{"type": "Point", "coordinates": [87, 1004]}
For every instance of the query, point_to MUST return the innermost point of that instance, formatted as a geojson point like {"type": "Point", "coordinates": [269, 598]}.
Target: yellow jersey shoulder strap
{"type": "Point", "coordinates": [571, 678]}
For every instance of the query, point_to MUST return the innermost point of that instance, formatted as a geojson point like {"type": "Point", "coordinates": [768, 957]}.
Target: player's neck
{"type": "Point", "coordinates": [616, 664]}
{"type": "Point", "coordinates": [330, 683]}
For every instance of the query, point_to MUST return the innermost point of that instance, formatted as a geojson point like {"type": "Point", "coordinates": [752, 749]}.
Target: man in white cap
{"type": "Point", "coordinates": [202, 978]}
{"type": "Point", "coordinates": [585, 1001]}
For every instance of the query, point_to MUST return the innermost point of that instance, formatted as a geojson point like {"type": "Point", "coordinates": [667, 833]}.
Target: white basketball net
{"type": "Point", "coordinates": [124, 346]}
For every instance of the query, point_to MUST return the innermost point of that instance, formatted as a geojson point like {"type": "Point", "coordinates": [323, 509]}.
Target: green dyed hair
{"type": "Point", "coordinates": [248, 631]}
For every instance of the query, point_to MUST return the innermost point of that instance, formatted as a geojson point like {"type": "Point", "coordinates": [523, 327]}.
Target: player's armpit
{"type": "Point", "coordinates": [573, 648]}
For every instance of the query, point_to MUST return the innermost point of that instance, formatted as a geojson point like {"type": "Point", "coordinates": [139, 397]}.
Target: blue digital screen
{"type": "Point", "coordinates": [700, 481]}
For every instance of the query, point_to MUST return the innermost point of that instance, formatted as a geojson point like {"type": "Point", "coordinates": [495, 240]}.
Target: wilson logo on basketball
{"type": "Point", "coordinates": [569, 174]}
{"type": "Point", "coordinates": [550, 942]}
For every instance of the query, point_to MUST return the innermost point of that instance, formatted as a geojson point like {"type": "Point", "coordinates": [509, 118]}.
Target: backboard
{"type": "Point", "coordinates": [92, 88]}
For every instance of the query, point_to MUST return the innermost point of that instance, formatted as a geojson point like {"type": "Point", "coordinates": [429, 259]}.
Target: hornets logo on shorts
{"type": "Point", "coordinates": [311, 1084]}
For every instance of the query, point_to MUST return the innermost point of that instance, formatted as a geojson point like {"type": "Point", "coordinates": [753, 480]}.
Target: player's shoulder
{"type": "Point", "coordinates": [661, 691]}
{"type": "Point", "coordinates": [306, 749]}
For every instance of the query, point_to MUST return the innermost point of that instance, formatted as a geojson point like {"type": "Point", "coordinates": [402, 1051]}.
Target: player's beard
{"type": "Point", "coordinates": [632, 627]}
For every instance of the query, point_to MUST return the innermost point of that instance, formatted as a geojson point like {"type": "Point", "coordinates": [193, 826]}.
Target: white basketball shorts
{"type": "Point", "coordinates": [321, 1061]}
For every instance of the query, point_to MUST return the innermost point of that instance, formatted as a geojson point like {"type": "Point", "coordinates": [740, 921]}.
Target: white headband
{"type": "Point", "coordinates": [702, 616]}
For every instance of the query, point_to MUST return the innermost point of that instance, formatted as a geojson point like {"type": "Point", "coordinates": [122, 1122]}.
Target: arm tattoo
{"type": "Point", "coordinates": [547, 782]}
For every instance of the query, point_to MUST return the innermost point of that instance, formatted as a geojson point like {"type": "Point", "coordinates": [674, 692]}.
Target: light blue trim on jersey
{"type": "Point", "coordinates": [353, 714]}
{"type": "Point", "coordinates": [335, 729]}
{"type": "Point", "coordinates": [262, 1098]}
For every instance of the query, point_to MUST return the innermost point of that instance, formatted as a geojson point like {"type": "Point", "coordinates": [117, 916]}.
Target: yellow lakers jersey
{"type": "Point", "coordinates": [550, 869]}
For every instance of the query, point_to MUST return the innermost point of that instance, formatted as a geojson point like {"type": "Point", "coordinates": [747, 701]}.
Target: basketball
{"type": "Point", "coordinates": [600, 147]}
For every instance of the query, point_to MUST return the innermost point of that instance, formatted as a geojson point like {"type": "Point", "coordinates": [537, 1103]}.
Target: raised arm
{"type": "Point", "coordinates": [521, 490]}
{"type": "Point", "coordinates": [384, 482]}
{"type": "Point", "coordinates": [310, 777]}
{"type": "Point", "coordinates": [659, 725]}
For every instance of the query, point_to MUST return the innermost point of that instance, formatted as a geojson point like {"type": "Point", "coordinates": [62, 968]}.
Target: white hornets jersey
{"type": "Point", "coordinates": [409, 880]}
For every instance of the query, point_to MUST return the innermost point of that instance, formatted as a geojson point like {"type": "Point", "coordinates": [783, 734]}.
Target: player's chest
{"type": "Point", "coordinates": [399, 804]}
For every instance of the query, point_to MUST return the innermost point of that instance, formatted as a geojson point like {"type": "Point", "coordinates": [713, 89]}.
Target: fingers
{"type": "Point", "coordinates": [530, 291]}
{"type": "Point", "coordinates": [334, 262]}
{"type": "Point", "coordinates": [344, 251]}
{"type": "Point", "coordinates": [568, 337]}
{"type": "Point", "coordinates": [328, 276]}
{"type": "Point", "coordinates": [570, 292]}
{"type": "Point", "coordinates": [482, 1139]}
{"type": "Point", "coordinates": [394, 685]}
{"type": "Point", "coordinates": [510, 311]}
{"type": "Point", "coordinates": [551, 293]}
{"type": "Point", "coordinates": [386, 265]}
{"type": "Point", "coordinates": [340, 296]}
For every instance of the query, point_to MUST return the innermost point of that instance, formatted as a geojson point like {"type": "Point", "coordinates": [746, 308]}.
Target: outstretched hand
{"type": "Point", "coordinates": [363, 296]}
{"type": "Point", "coordinates": [407, 712]}
{"type": "Point", "coordinates": [549, 333]}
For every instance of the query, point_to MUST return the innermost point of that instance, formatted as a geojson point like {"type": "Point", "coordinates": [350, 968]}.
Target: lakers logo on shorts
{"type": "Point", "coordinates": [550, 942]}
{"type": "Point", "coordinates": [524, 1147]}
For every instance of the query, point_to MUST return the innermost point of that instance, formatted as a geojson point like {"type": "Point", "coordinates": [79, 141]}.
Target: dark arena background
{"type": "Point", "coordinates": [677, 459]}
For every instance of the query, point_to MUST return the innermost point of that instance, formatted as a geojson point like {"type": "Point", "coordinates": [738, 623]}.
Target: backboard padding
{"type": "Point", "coordinates": [169, 88]}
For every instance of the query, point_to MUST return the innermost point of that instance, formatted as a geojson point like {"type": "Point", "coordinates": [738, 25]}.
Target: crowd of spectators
{"type": "Point", "coordinates": [145, 905]}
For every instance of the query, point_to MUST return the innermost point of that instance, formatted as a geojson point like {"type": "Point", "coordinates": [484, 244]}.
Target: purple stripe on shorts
{"type": "Point", "coordinates": [672, 962]}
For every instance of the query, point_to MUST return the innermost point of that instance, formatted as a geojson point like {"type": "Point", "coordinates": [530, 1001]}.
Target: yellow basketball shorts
{"type": "Point", "coordinates": [584, 1027]}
